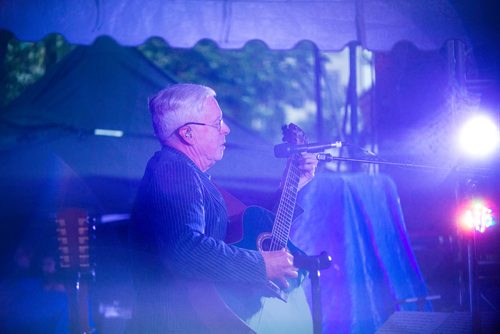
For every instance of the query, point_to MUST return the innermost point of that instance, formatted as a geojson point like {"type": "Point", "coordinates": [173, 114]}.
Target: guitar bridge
{"type": "Point", "coordinates": [276, 291]}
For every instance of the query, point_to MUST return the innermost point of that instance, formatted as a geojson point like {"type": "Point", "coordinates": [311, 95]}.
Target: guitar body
{"type": "Point", "coordinates": [257, 225]}
{"type": "Point", "coordinates": [292, 315]}
{"type": "Point", "coordinates": [276, 316]}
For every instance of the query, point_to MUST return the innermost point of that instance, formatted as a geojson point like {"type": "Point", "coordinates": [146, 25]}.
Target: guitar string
{"type": "Point", "coordinates": [289, 196]}
{"type": "Point", "coordinates": [286, 210]}
{"type": "Point", "coordinates": [276, 225]}
{"type": "Point", "coordinates": [286, 206]}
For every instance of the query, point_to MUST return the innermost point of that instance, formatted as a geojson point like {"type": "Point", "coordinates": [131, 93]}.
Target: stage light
{"type": "Point", "coordinates": [477, 216]}
{"type": "Point", "coordinates": [479, 136]}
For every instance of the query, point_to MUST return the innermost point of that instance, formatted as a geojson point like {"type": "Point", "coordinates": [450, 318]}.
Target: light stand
{"type": "Point", "coordinates": [472, 268]}
{"type": "Point", "coordinates": [468, 194]}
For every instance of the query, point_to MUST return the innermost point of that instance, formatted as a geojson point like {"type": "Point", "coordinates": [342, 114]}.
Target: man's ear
{"type": "Point", "coordinates": [186, 135]}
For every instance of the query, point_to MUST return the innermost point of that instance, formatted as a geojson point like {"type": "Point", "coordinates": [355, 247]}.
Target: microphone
{"type": "Point", "coordinates": [285, 150]}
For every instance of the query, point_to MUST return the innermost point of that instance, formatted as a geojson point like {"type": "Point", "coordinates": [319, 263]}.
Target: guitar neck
{"type": "Point", "coordinates": [286, 207]}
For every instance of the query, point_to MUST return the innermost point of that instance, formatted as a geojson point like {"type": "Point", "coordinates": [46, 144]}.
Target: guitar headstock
{"type": "Point", "coordinates": [294, 135]}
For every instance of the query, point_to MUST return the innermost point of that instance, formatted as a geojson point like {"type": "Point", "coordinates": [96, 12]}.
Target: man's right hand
{"type": "Point", "coordinates": [279, 267]}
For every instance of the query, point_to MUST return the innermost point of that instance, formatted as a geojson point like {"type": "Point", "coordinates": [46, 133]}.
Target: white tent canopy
{"type": "Point", "coordinates": [330, 24]}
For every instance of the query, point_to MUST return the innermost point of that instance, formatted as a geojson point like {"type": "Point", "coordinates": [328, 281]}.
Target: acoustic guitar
{"type": "Point", "coordinates": [279, 311]}
{"type": "Point", "coordinates": [284, 311]}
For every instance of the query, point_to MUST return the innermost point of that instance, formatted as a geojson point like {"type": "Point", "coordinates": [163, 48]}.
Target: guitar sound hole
{"type": "Point", "coordinates": [265, 243]}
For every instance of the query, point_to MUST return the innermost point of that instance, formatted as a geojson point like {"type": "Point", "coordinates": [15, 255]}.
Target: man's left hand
{"type": "Point", "coordinates": [307, 164]}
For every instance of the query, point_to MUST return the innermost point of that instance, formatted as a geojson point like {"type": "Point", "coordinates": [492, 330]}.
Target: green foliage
{"type": "Point", "coordinates": [255, 85]}
{"type": "Point", "coordinates": [261, 89]}
{"type": "Point", "coordinates": [25, 62]}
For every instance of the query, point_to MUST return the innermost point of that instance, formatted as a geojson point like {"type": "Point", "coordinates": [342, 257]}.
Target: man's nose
{"type": "Point", "coordinates": [225, 129]}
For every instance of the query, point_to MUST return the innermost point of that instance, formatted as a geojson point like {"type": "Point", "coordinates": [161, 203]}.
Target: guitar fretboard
{"type": "Point", "coordinates": [286, 208]}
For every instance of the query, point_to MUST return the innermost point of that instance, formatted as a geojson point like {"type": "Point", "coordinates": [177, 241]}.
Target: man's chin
{"type": "Point", "coordinates": [217, 158]}
{"type": "Point", "coordinates": [221, 153]}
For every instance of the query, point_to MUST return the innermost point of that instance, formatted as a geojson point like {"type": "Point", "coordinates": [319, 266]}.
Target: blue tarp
{"type": "Point", "coordinates": [358, 220]}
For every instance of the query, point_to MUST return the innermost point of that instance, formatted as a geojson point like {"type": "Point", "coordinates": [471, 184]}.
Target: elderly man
{"type": "Point", "coordinates": [180, 219]}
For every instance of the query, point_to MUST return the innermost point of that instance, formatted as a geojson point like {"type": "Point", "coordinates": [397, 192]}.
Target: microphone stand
{"type": "Point", "coordinates": [314, 264]}
{"type": "Point", "coordinates": [328, 157]}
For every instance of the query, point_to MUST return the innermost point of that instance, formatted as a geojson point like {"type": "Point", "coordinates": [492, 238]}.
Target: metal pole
{"type": "Point", "coordinates": [352, 92]}
{"type": "Point", "coordinates": [473, 300]}
{"type": "Point", "coordinates": [317, 94]}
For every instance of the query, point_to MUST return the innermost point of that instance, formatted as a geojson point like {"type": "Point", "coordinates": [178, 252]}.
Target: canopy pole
{"type": "Point", "coordinates": [317, 94]}
{"type": "Point", "coordinates": [352, 98]}
{"type": "Point", "coordinates": [467, 245]}
{"type": "Point", "coordinates": [352, 92]}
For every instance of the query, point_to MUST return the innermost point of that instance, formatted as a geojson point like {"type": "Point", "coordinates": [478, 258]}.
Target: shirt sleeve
{"type": "Point", "coordinates": [177, 205]}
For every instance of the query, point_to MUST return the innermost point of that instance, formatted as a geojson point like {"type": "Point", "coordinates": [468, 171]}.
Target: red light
{"type": "Point", "coordinates": [477, 217]}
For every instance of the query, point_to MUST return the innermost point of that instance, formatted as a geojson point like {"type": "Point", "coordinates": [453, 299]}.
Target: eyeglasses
{"type": "Point", "coordinates": [217, 126]}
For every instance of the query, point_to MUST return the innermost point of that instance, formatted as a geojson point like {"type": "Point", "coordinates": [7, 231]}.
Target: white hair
{"type": "Point", "coordinates": [176, 105]}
